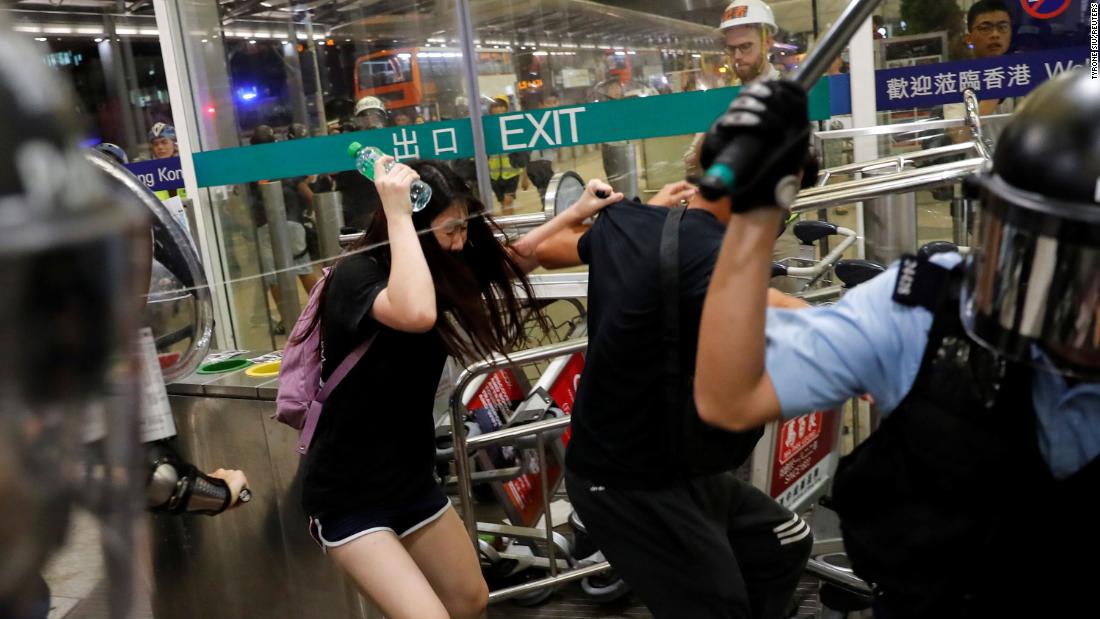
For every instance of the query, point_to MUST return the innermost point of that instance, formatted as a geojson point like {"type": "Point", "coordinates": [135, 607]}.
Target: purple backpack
{"type": "Point", "coordinates": [302, 394]}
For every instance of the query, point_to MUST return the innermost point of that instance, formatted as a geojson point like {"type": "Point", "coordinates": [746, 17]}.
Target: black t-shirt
{"type": "Point", "coordinates": [375, 441]}
{"type": "Point", "coordinates": [620, 420]}
{"type": "Point", "coordinates": [359, 197]}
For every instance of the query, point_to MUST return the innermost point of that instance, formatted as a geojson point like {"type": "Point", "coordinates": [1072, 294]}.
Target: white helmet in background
{"type": "Point", "coordinates": [747, 12]}
{"type": "Point", "coordinates": [369, 103]}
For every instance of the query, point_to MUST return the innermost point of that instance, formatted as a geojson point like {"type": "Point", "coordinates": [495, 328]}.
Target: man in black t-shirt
{"type": "Point", "coordinates": [695, 546]}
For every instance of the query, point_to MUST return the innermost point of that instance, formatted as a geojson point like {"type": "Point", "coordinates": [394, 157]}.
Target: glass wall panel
{"type": "Point", "coordinates": [111, 56]}
{"type": "Point", "coordinates": [928, 51]}
{"type": "Point", "coordinates": [268, 73]}
{"type": "Point", "coordinates": [273, 83]}
{"type": "Point", "coordinates": [616, 90]}
{"type": "Point", "coordinates": [568, 54]}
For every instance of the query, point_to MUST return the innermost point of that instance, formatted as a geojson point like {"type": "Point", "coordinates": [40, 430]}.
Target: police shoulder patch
{"type": "Point", "coordinates": [919, 282]}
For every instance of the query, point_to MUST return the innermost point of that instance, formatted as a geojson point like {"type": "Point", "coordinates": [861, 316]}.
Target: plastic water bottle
{"type": "Point", "coordinates": [365, 157]}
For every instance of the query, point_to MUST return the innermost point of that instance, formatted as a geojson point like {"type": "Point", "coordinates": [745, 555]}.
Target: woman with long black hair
{"type": "Point", "coordinates": [425, 285]}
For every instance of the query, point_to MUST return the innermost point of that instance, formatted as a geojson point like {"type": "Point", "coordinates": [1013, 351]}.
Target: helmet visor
{"type": "Point", "coordinates": [1033, 292]}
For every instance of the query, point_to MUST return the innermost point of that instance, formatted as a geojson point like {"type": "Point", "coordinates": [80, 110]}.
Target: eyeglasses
{"type": "Point", "coordinates": [988, 27]}
{"type": "Point", "coordinates": [745, 48]}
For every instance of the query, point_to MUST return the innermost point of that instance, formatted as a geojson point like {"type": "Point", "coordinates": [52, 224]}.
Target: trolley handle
{"type": "Point", "coordinates": [829, 260]}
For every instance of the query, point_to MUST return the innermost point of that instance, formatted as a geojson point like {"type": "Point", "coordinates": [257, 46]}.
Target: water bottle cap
{"type": "Point", "coordinates": [354, 148]}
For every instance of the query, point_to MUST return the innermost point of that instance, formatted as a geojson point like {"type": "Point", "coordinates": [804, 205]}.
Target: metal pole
{"type": "Point", "coordinates": [329, 217]}
{"type": "Point", "coordinates": [553, 581]}
{"type": "Point", "coordinates": [861, 55]}
{"type": "Point", "coordinates": [473, 96]}
{"type": "Point", "coordinates": [813, 12]}
{"type": "Point", "coordinates": [546, 505]}
{"type": "Point", "coordinates": [512, 434]}
{"type": "Point", "coordinates": [272, 194]}
{"type": "Point", "coordinates": [318, 95]}
{"type": "Point", "coordinates": [890, 224]}
{"type": "Point", "coordinates": [132, 119]}
{"type": "Point", "coordinates": [116, 85]}
{"type": "Point", "coordinates": [620, 163]}
{"type": "Point", "coordinates": [834, 42]}
{"type": "Point", "coordinates": [295, 87]}
{"type": "Point", "coordinates": [462, 462]}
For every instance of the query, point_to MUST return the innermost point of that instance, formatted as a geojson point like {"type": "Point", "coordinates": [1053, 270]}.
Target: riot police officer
{"type": "Point", "coordinates": [71, 258]}
{"type": "Point", "coordinates": [983, 476]}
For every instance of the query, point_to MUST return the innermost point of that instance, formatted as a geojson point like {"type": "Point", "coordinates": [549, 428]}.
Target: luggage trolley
{"type": "Point", "coordinates": [515, 472]}
{"type": "Point", "coordinates": [526, 496]}
{"type": "Point", "coordinates": [532, 422]}
{"type": "Point", "coordinates": [805, 267]}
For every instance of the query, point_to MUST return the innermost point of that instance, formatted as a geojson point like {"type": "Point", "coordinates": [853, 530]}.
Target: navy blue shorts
{"type": "Point", "coordinates": [338, 528]}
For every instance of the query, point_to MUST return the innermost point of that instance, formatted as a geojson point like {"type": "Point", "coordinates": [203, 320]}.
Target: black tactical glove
{"type": "Point", "coordinates": [754, 152]}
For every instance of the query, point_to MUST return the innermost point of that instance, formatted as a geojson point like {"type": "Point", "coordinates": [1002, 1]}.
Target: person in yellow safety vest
{"type": "Point", "coordinates": [507, 171]}
{"type": "Point", "coordinates": [162, 137]}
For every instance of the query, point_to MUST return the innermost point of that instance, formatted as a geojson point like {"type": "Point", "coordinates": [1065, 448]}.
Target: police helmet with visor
{"type": "Point", "coordinates": [1033, 290]}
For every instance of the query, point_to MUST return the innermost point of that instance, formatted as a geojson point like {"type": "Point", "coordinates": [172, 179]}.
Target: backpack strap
{"type": "Point", "coordinates": [313, 414]}
{"type": "Point", "coordinates": [670, 299]}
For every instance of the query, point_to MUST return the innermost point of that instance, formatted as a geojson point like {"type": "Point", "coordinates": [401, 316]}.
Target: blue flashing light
{"type": "Point", "coordinates": [247, 93]}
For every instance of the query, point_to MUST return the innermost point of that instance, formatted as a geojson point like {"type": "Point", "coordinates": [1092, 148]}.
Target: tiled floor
{"type": "Point", "coordinates": [76, 571]}
{"type": "Point", "coordinates": [76, 575]}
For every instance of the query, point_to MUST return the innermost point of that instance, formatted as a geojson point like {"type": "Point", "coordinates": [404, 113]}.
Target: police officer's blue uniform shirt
{"type": "Point", "coordinates": [866, 343]}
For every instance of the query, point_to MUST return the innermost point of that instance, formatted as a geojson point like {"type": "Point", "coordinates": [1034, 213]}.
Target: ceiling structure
{"type": "Point", "coordinates": [567, 23]}
{"type": "Point", "coordinates": [640, 24]}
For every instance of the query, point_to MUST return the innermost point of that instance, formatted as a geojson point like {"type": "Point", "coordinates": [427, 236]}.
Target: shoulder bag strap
{"type": "Point", "coordinates": [313, 413]}
{"type": "Point", "coordinates": [342, 370]}
{"type": "Point", "coordinates": [670, 300]}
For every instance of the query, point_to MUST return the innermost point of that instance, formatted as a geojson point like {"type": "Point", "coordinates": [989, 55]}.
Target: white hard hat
{"type": "Point", "coordinates": [369, 103]}
{"type": "Point", "coordinates": [746, 12]}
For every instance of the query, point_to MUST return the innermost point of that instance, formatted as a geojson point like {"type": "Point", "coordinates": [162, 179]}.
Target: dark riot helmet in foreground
{"type": "Point", "coordinates": [1033, 290]}
{"type": "Point", "coordinates": [69, 254]}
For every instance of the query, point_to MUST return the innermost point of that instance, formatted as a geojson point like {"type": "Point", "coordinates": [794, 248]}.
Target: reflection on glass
{"type": "Point", "coordinates": [110, 56]}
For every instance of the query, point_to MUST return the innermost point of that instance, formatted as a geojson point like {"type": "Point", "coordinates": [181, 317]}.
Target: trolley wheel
{"type": "Point", "coordinates": [540, 596]}
{"type": "Point", "coordinates": [494, 568]}
{"type": "Point", "coordinates": [604, 588]}
{"type": "Point", "coordinates": [535, 598]}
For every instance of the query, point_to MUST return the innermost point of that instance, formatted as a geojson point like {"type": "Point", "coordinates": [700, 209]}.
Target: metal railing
{"type": "Point", "coordinates": [865, 188]}
{"type": "Point", "coordinates": [837, 576]}
{"type": "Point", "coordinates": [897, 161]}
{"type": "Point", "coordinates": [911, 127]}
